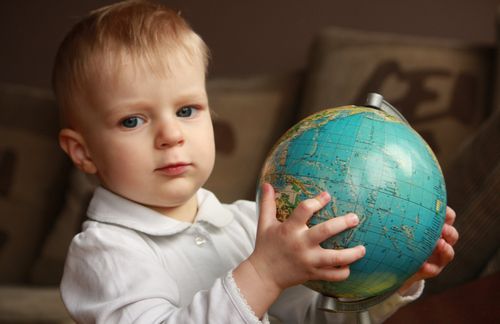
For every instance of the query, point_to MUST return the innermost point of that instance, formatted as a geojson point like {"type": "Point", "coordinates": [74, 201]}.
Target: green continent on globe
{"type": "Point", "coordinates": [376, 166]}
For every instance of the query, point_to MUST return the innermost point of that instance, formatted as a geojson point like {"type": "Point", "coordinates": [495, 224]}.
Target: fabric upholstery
{"type": "Point", "coordinates": [250, 114]}
{"type": "Point", "coordinates": [473, 184]}
{"type": "Point", "coordinates": [443, 88]}
{"type": "Point", "coordinates": [33, 172]}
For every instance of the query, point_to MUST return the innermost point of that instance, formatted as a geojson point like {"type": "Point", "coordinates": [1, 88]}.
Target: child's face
{"type": "Point", "coordinates": [150, 134]}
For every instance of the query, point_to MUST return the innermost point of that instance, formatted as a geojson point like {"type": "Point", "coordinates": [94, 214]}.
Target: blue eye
{"type": "Point", "coordinates": [185, 111]}
{"type": "Point", "coordinates": [132, 122]}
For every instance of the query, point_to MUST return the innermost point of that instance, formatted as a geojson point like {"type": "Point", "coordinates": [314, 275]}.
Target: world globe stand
{"type": "Point", "coordinates": [360, 306]}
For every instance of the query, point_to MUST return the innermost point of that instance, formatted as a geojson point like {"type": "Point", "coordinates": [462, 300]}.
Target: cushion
{"type": "Point", "coordinates": [438, 85]}
{"type": "Point", "coordinates": [33, 172]}
{"type": "Point", "coordinates": [50, 264]}
{"type": "Point", "coordinates": [22, 304]}
{"type": "Point", "coordinates": [249, 116]}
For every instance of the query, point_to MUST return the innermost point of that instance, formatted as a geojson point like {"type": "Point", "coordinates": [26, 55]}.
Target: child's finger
{"type": "Point", "coordinates": [339, 258]}
{"type": "Point", "coordinates": [333, 274]}
{"type": "Point", "coordinates": [307, 207]}
{"type": "Point", "coordinates": [429, 270]}
{"type": "Point", "coordinates": [446, 253]}
{"type": "Point", "coordinates": [267, 213]}
{"type": "Point", "coordinates": [450, 234]}
{"type": "Point", "coordinates": [320, 232]}
{"type": "Point", "coordinates": [443, 254]}
{"type": "Point", "coordinates": [450, 216]}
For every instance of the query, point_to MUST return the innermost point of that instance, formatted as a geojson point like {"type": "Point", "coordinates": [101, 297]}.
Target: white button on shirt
{"type": "Point", "coordinates": [200, 240]}
{"type": "Point", "coordinates": [132, 264]}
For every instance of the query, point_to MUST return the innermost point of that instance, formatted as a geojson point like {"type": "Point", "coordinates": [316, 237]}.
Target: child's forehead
{"type": "Point", "coordinates": [113, 66]}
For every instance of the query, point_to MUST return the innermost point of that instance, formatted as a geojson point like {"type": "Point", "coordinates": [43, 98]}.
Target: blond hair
{"type": "Point", "coordinates": [149, 33]}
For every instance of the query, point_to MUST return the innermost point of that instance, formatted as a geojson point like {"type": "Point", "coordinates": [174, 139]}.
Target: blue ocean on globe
{"type": "Point", "coordinates": [376, 166]}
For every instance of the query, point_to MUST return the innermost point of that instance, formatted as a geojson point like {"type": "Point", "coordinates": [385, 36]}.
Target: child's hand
{"type": "Point", "coordinates": [442, 254]}
{"type": "Point", "coordinates": [288, 253]}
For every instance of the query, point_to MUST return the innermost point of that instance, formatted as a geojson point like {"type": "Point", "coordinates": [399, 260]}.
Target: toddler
{"type": "Point", "coordinates": [157, 247]}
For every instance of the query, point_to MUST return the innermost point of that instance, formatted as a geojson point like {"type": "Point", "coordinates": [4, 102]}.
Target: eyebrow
{"type": "Point", "coordinates": [192, 94]}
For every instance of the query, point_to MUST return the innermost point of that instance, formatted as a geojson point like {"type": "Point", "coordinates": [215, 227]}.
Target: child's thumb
{"type": "Point", "coordinates": [267, 206]}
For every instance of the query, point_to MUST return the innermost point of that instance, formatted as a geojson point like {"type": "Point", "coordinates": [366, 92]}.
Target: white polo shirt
{"type": "Point", "coordinates": [131, 264]}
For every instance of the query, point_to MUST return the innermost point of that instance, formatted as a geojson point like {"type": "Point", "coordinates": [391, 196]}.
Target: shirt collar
{"type": "Point", "coordinates": [107, 207]}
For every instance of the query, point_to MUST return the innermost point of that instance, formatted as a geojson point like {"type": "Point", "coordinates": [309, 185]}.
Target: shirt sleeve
{"type": "Point", "coordinates": [299, 304]}
{"type": "Point", "coordinates": [110, 277]}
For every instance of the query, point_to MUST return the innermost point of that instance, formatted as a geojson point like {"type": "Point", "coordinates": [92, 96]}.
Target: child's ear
{"type": "Point", "coordinates": [74, 145]}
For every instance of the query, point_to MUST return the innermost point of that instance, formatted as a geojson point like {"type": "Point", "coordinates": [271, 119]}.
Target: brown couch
{"type": "Point", "coordinates": [445, 89]}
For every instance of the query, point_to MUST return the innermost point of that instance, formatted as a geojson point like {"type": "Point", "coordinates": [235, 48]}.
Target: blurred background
{"type": "Point", "coordinates": [246, 37]}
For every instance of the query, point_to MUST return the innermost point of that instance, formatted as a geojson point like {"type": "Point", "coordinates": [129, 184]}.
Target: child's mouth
{"type": "Point", "coordinates": [174, 169]}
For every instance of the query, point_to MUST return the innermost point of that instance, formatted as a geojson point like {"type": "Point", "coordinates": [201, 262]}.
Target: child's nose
{"type": "Point", "coordinates": [169, 134]}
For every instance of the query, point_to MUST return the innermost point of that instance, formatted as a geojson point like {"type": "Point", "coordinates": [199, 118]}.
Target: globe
{"type": "Point", "coordinates": [376, 166]}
